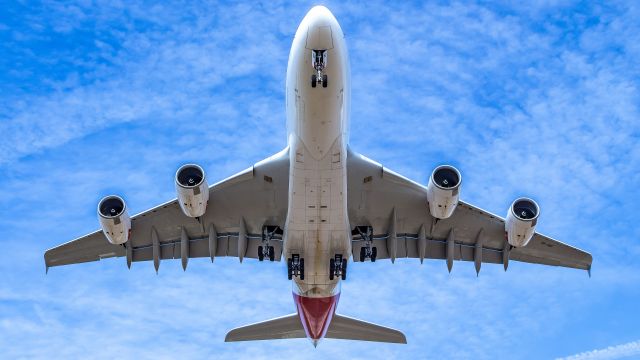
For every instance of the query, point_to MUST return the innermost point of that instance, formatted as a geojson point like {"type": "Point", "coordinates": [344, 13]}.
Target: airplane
{"type": "Point", "coordinates": [318, 205]}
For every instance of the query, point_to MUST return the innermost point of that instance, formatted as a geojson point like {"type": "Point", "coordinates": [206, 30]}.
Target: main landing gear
{"type": "Point", "coordinates": [338, 267]}
{"type": "Point", "coordinates": [295, 267]}
{"type": "Point", "coordinates": [367, 251]}
{"type": "Point", "coordinates": [319, 62]}
{"type": "Point", "coordinates": [265, 250]}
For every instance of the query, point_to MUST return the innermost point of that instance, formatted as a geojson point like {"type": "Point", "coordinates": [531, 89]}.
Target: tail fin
{"type": "Point", "coordinates": [285, 327]}
{"type": "Point", "coordinates": [343, 327]}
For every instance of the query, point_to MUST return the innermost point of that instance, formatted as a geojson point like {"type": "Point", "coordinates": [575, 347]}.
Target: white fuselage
{"type": "Point", "coordinates": [317, 227]}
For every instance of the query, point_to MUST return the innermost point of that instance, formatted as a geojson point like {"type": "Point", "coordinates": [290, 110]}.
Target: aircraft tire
{"type": "Point", "coordinates": [332, 269]}
{"type": "Point", "coordinates": [344, 269]}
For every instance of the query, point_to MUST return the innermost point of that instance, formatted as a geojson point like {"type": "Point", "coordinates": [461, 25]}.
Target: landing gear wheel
{"type": "Point", "coordinates": [260, 253]}
{"type": "Point", "coordinates": [314, 80]}
{"type": "Point", "coordinates": [344, 269]}
{"type": "Point", "coordinates": [374, 254]}
{"type": "Point", "coordinates": [271, 253]}
{"type": "Point", "coordinates": [332, 268]}
{"type": "Point", "coordinates": [324, 81]}
{"type": "Point", "coordinates": [301, 269]}
{"type": "Point", "coordinates": [289, 269]}
{"type": "Point", "coordinates": [362, 254]}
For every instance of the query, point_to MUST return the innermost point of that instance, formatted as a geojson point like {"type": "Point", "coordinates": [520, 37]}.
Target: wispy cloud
{"type": "Point", "coordinates": [611, 352]}
{"type": "Point", "coordinates": [538, 99]}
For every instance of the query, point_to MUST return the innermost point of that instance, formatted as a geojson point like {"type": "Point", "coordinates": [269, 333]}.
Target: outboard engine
{"type": "Point", "coordinates": [521, 221]}
{"type": "Point", "coordinates": [114, 219]}
{"type": "Point", "coordinates": [443, 191]}
{"type": "Point", "coordinates": [192, 189]}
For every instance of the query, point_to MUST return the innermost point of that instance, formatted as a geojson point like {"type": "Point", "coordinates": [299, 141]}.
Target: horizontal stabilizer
{"type": "Point", "coordinates": [285, 327]}
{"type": "Point", "coordinates": [343, 327]}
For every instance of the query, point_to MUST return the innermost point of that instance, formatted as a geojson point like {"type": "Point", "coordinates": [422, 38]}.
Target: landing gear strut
{"type": "Point", "coordinates": [295, 267]}
{"type": "Point", "coordinates": [367, 251]}
{"type": "Point", "coordinates": [338, 267]}
{"type": "Point", "coordinates": [319, 62]}
{"type": "Point", "coordinates": [265, 250]}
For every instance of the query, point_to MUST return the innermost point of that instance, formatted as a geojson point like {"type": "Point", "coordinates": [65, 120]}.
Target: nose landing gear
{"type": "Point", "coordinates": [319, 62]}
{"type": "Point", "coordinates": [338, 267]}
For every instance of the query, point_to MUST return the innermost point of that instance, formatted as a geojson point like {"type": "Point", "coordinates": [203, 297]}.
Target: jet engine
{"type": "Point", "coordinates": [521, 221]}
{"type": "Point", "coordinates": [443, 191]}
{"type": "Point", "coordinates": [114, 219]}
{"type": "Point", "coordinates": [192, 189]}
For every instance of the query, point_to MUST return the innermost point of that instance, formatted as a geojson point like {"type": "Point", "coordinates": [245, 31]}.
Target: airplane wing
{"type": "Point", "coordinates": [239, 207]}
{"type": "Point", "coordinates": [397, 210]}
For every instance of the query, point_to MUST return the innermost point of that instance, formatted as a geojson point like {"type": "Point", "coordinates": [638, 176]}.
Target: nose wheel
{"type": "Point", "coordinates": [315, 80]}
{"type": "Point", "coordinates": [338, 267]}
{"type": "Point", "coordinates": [295, 267]}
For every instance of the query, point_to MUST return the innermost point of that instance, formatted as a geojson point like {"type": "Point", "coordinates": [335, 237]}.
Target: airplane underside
{"type": "Point", "coordinates": [318, 205]}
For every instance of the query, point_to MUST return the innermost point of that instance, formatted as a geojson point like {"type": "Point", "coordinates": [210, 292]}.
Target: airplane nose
{"type": "Point", "coordinates": [320, 24]}
{"type": "Point", "coordinates": [320, 15]}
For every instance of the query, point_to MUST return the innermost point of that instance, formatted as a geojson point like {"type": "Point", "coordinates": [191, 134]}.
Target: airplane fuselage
{"type": "Point", "coordinates": [317, 227]}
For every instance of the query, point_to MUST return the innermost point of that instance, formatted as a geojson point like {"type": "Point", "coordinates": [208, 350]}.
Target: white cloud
{"type": "Point", "coordinates": [612, 352]}
{"type": "Point", "coordinates": [520, 103]}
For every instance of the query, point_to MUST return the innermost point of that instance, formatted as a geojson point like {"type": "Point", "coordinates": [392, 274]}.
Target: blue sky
{"type": "Point", "coordinates": [102, 97]}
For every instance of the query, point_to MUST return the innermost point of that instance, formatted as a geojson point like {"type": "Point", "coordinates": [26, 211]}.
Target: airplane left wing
{"type": "Point", "coordinates": [397, 210]}
{"type": "Point", "coordinates": [232, 225]}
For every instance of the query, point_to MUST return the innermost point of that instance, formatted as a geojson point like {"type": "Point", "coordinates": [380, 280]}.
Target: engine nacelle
{"type": "Point", "coordinates": [114, 219]}
{"type": "Point", "coordinates": [192, 189]}
{"type": "Point", "coordinates": [522, 218]}
{"type": "Point", "coordinates": [443, 191]}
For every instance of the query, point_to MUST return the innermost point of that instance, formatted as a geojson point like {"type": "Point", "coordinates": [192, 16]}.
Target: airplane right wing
{"type": "Point", "coordinates": [397, 210]}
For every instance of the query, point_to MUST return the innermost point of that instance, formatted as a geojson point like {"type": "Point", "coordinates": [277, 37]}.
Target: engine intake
{"type": "Point", "coordinates": [114, 219]}
{"type": "Point", "coordinates": [522, 218]}
{"type": "Point", "coordinates": [443, 191]}
{"type": "Point", "coordinates": [192, 189]}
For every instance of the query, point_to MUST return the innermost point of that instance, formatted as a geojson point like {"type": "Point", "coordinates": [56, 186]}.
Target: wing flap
{"type": "Point", "coordinates": [227, 246]}
{"type": "Point", "coordinates": [407, 247]}
{"type": "Point", "coordinates": [92, 247]}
